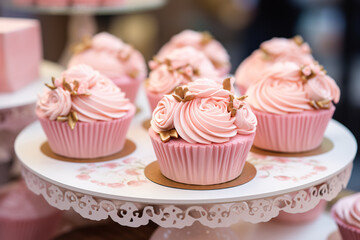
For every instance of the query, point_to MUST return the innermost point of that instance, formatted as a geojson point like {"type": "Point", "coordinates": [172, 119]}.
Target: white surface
{"type": "Point", "coordinates": [66, 174]}
{"type": "Point", "coordinates": [28, 94]}
{"type": "Point", "coordinates": [129, 6]}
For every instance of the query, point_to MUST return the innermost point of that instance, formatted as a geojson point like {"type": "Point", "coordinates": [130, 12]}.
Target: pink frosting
{"type": "Point", "coordinates": [283, 90]}
{"type": "Point", "coordinates": [212, 49]}
{"type": "Point", "coordinates": [348, 209]}
{"type": "Point", "coordinates": [181, 66]}
{"type": "Point", "coordinates": [252, 69]}
{"type": "Point", "coordinates": [205, 119]}
{"type": "Point", "coordinates": [163, 115]}
{"type": "Point", "coordinates": [97, 97]}
{"type": "Point", "coordinates": [112, 57]}
{"type": "Point", "coordinates": [54, 103]}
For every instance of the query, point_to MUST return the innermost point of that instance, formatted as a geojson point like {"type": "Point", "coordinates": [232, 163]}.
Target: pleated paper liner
{"type": "Point", "coordinates": [153, 173]}
{"type": "Point", "coordinates": [326, 146]}
{"type": "Point", "coordinates": [129, 147]}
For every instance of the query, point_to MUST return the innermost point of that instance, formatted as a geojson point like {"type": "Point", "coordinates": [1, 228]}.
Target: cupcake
{"type": "Point", "coordinates": [293, 106]}
{"type": "Point", "coordinates": [252, 69]}
{"type": "Point", "coordinates": [203, 42]}
{"type": "Point", "coordinates": [84, 114]}
{"type": "Point", "coordinates": [179, 67]}
{"type": "Point", "coordinates": [346, 213]}
{"type": "Point", "coordinates": [113, 58]}
{"type": "Point", "coordinates": [202, 134]}
{"type": "Point", "coordinates": [23, 215]}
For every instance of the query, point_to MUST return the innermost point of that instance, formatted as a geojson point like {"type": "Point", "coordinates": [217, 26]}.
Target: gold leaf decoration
{"type": "Point", "coordinates": [83, 45]}
{"type": "Point", "coordinates": [321, 104]}
{"type": "Point", "coordinates": [227, 84]}
{"type": "Point", "coordinates": [165, 136]}
{"type": "Point", "coordinates": [206, 38]}
{"type": "Point", "coordinates": [298, 40]}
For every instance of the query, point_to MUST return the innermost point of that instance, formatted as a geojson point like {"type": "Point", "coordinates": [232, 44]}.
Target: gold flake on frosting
{"type": "Point", "coordinates": [71, 118]}
{"type": "Point", "coordinates": [85, 44]}
{"type": "Point", "coordinates": [206, 38]}
{"type": "Point", "coordinates": [321, 104]}
{"type": "Point", "coordinates": [180, 94]}
{"type": "Point", "coordinates": [298, 40]}
{"type": "Point", "coordinates": [52, 87]}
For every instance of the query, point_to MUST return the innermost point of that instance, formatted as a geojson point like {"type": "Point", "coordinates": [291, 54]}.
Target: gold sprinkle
{"type": "Point", "coordinates": [49, 86]}
{"type": "Point", "coordinates": [134, 73]}
{"type": "Point", "coordinates": [241, 105]}
{"type": "Point", "coordinates": [62, 118]}
{"type": "Point", "coordinates": [242, 98]}
{"type": "Point", "coordinates": [206, 38]}
{"type": "Point", "coordinates": [231, 98]}
{"type": "Point", "coordinates": [82, 46]}
{"type": "Point", "coordinates": [71, 122]}
{"type": "Point", "coordinates": [165, 136]}
{"type": "Point", "coordinates": [74, 116]}
{"type": "Point", "coordinates": [233, 112]}
{"type": "Point", "coordinates": [196, 72]}
{"type": "Point", "coordinates": [167, 62]}
{"type": "Point", "coordinates": [298, 40]}
{"type": "Point", "coordinates": [76, 86]}
{"type": "Point", "coordinates": [230, 106]}
{"type": "Point", "coordinates": [227, 84]}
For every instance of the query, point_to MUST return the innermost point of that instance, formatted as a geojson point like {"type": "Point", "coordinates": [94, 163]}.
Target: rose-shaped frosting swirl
{"type": "Point", "coordinates": [204, 120]}
{"type": "Point", "coordinates": [163, 115]}
{"type": "Point", "coordinates": [54, 103]}
{"type": "Point", "coordinates": [280, 92]}
{"type": "Point", "coordinates": [252, 69]}
{"type": "Point", "coordinates": [202, 42]}
{"type": "Point", "coordinates": [180, 67]}
{"type": "Point", "coordinates": [321, 86]}
{"type": "Point", "coordinates": [245, 119]}
{"type": "Point", "coordinates": [348, 209]}
{"type": "Point", "coordinates": [207, 117]}
{"type": "Point", "coordinates": [112, 58]}
{"type": "Point", "coordinates": [105, 102]}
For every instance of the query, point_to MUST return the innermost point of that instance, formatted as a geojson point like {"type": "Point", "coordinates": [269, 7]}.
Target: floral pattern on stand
{"type": "Point", "coordinates": [126, 172]}
{"type": "Point", "coordinates": [285, 168]}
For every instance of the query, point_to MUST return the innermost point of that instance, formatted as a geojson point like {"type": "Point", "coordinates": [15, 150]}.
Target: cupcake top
{"type": "Point", "coordinates": [348, 209]}
{"type": "Point", "coordinates": [179, 67]}
{"type": "Point", "coordinates": [203, 42]}
{"type": "Point", "coordinates": [20, 203]}
{"type": "Point", "coordinates": [110, 56]}
{"type": "Point", "coordinates": [288, 88]}
{"type": "Point", "coordinates": [82, 94]}
{"type": "Point", "coordinates": [274, 50]}
{"type": "Point", "coordinates": [203, 111]}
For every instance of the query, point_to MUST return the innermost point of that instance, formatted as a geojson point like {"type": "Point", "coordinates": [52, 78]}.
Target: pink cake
{"type": "Point", "coordinates": [346, 213]}
{"type": "Point", "coordinates": [20, 48]}
{"type": "Point", "coordinates": [84, 114]}
{"type": "Point", "coordinates": [113, 58]}
{"type": "Point", "coordinates": [203, 42]}
{"type": "Point", "coordinates": [253, 68]}
{"type": "Point", "coordinates": [293, 105]}
{"type": "Point", "coordinates": [202, 134]}
{"type": "Point", "coordinates": [180, 67]}
{"type": "Point", "coordinates": [26, 216]}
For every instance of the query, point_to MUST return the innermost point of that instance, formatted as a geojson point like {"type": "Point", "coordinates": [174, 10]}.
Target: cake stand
{"type": "Point", "coordinates": [119, 190]}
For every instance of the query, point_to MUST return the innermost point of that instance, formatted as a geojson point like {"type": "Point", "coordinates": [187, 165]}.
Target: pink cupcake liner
{"type": "Point", "coordinates": [199, 163]}
{"type": "Point", "coordinates": [347, 231]}
{"type": "Point", "coordinates": [129, 86]}
{"type": "Point", "coordinates": [307, 216]}
{"type": "Point", "coordinates": [153, 99]}
{"type": "Point", "coordinates": [87, 140]}
{"type": "Point", "coordinates": [295, 132]}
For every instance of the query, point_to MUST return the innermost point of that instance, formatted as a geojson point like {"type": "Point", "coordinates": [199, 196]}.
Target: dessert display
{"type": "Point", "coordinates": [293, 105]}
{"type": "Point", "coordinates": [202, 133]}
{"type": "Point", "coordinates": [202, 41]}
{"type": "Point", "coordinates": [180, 67]}
{"type": "Point", "coordinates": [24, 215]}
{"type": "Point", "coordinates": [20, 45]}
{"type": "Point", "coordinates": [84, 114]}
{"type": "Point", "coordinates": [346, 213]}
{"type": "Point", "coordinates": [253, 68]}
{"type": "Point", "coordinates": [120, 62]}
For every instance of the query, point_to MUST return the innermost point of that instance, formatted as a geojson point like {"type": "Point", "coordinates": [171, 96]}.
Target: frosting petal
{"type": "Point", "coordinates": [348, 209]}
{"type": "Point", "coordinates": [202, 42]}
{"type": "Point", "coordinates": [163, 115]}
{"type": "Point", "coordinates": [54, 103]}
